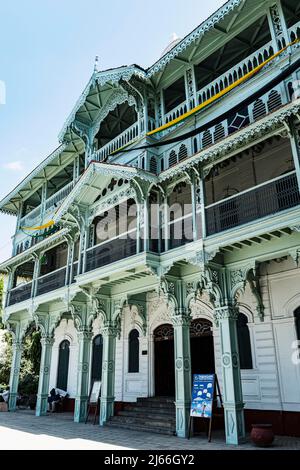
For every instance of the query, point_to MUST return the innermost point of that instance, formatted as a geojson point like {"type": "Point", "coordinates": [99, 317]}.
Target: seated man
{"type": "Point", "coordinates": [5, 395]}
{"type": "Point", "coordinates": [55, 398]}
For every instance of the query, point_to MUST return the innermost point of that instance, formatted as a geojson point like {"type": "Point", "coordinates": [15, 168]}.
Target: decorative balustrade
{"type": "Point", "coordinates": [110, 252]}
{"type": "Point", "coordinates": [34, 216]}
{"type": "Point", "coordinates": [151, 124]}
{"type": "Point", "coordinates": [127, 137]}
{"type": "Point", "coordinates": [294, 32]}
{"type": "Point", "coordinates": [263, 200]}
{"type": "Point", "coordinates": [30, 219]}
{"type": "Point", "coordinates": [176, 112]}
{"type": "Point", "coordinates": [248, 115]}
{"type": "Point", "coordinates": [19, 293]}
{"type": "Point", "coordinates": [236, 72]}
{"type": "Point", "coordinates": [59, 196]}
{"type": "Point", "coordinates": [51, 281]}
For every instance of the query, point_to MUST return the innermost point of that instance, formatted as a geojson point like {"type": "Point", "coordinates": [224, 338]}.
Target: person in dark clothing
{"type": "Point", "coordinates": [53, 399]}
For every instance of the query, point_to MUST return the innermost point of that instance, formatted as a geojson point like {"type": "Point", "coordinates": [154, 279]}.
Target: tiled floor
{"type": "Point", "coordinates": [22, 430]}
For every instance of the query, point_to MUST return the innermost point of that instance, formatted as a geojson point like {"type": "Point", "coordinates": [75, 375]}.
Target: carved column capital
{"type": "Point", "coordinates": [229, 312]}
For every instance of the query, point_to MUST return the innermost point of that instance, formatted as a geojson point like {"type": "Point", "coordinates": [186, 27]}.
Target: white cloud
{"type": "Point", "coordinates": [14, 166]}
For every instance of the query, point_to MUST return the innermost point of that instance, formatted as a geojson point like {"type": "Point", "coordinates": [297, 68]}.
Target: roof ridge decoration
{"type": "Point", "coordinates": [205, 26]}
{"type": "Point", "coordinates": [113, 76]}
{"type": "Point", "coordinates": [128, 172]}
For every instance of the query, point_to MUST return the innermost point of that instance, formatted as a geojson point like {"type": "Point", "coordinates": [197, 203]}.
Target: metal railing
{"type": "Point", "coordinates": [110, 252]}
{"type": "Point", "coordinates": [59, 195]}
{"type": "Point", "coordinates": [34, 216]}
{"type": "Point", "coordinates": [19, 293]}
{"type": "Point", "coordinates": [235, 72]}
{"type": "Point", "coordinates": [263, 200]}
{"type": "Point", "coordinates": [176, 112]}
{"type": "Point", "coordinates": [31, 217]}
{"type": "Point", "coordinates": [294, 31]}
{"type": "Point", "coordinates": [51, 281]}
{"type": "Point", "coordinates": [127, 137]}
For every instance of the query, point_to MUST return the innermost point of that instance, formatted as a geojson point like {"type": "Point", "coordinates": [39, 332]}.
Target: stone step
{"type": "Point", "coordinates": [149, 410]}
{"type": "Point", "coordinates": [144, 421]}
{"type": "Point", "coordinates": [155, 414]}
{"type": "Point", "coordinates": [156, 400]}
{"type": "Point", "coordinates": [156, 429]}
{"type": "Point", "coordinates": [141, 413]}
{"type": "Point", "coordinates": [152, 403]}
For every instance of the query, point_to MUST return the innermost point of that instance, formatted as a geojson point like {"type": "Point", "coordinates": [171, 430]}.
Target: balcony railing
{"type": "Point", "coordinates": [51, 281]}
{"type": "Point", "coordinates": [236, 72]}
{"type": "Point", "coordinates": [110, 252]}
{"type": "Point", "coordinates": [127, 137]}
{"type": "Point", "coordinates": [176, 112]}
{"type": "Point", "coordinates": [34, 216]}
{"type": "Point", "coordinates": [30, 219]}
{"type": "Point", "coordinates": [263, 200]}
{"type": "Point", "coordinates": [19, 293]}
{"type": "Point", "coordinates": [294, 32]}
{"type": "Point", "coordinates": [269, 102]}
{"type": "Point", "coordinates": [59, 196]}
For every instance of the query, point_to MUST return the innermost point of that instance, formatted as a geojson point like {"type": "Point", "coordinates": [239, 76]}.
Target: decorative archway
{"type": "Point", "coordinates": [164, 360]}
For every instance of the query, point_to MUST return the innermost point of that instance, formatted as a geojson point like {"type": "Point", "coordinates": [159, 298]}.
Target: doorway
{"type": "Point", "coordinates": [97, 353]}
{"type": "Point", "coordinates": [202, 347]}
{"type": "Point", "coordinates": [164, 361]}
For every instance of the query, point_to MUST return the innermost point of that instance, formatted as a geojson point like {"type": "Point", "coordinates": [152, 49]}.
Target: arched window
{"type": "Point", "coordinates": [244, 342]}
{"type": "Point", "coordinates": [297, 323]}
{"type": "Point", "coordinates": [133, 365]}
{"type": "Point", "coordinates": [63, 365]}
{"type": "Point", "coordinates": [97, 358]}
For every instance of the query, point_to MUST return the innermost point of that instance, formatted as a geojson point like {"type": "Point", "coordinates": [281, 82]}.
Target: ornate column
{"type": "Point", "coordinates": [278, 28]}
{"type": "Point", "coordinates": [146, 223]}
{"type": "Point", "coordinates": [15, 373]}
{"type": "Point", "coordinates": [44, 377]}
{"type": "Point", "coordinates": [175, 290]}
{"type": "Point", "coordinates": [226, 318]}
{"type": "Point", "coordinates": [109, 333]}
{"type": "Point", "coordinates": [190, 87]}
{"type": "Point", "coordinates": [181, 322]}
{"type": "Point", "coordinates": [82, 394]}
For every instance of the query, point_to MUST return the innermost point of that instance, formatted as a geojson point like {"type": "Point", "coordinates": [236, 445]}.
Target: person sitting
{"type": "Point", "coordinates": [5, 395]}
{"type": "Point", "coordinates": [55, 398]}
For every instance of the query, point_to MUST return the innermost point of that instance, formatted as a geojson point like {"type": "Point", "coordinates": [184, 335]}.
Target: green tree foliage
{"type": "Point", "coordinates": [31, 357]}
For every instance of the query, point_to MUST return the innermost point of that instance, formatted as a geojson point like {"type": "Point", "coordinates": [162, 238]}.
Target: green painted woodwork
{"type": "Point", "coordinates": [109, 334]}
{"type": "Point", "coordinates": [44, 377]}
{"type": "Point", "coordinates": [14, 374]}
{"type": "Point", "coordinates": [81, 402]}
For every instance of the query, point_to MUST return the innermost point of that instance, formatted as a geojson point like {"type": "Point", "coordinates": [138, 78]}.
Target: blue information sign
{"type": "Point", "coordinates": [203, 395]}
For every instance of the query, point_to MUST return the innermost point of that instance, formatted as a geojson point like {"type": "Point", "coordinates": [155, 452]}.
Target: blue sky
{"type": "Point", "coordinates": [47, 51]}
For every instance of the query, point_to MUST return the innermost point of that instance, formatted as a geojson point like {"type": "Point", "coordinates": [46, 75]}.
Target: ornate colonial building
{"type": "Point", "coordinates": [162, 237]}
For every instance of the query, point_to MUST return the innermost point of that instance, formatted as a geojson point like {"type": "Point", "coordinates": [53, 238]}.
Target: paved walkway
{"type": "Point", "coordinates": [22, 430]}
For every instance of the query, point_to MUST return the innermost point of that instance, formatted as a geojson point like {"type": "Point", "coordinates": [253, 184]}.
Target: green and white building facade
{"type": "Point", "coordinates": [198, 270]}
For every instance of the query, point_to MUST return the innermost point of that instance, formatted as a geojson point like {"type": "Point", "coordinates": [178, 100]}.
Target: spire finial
{"type": "Point", "coordinates": [96, 63]}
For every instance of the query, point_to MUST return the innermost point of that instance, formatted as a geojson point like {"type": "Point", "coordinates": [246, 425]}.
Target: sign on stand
{"type": "Point", "coordinates": [204, 394]}
{"type": "Point", "coordinates": [94, 399]}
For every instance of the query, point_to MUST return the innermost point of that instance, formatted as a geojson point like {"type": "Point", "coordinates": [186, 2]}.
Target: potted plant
{"type": "Point", "coordinates": [262, 435]}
